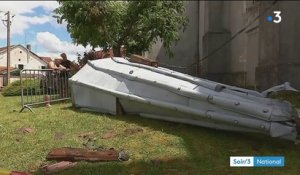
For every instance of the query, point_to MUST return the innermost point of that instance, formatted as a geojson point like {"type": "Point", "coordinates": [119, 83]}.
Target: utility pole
{"type": "Point", "coordinates": [7, 25]}
{"type": "Point", "coordinates": [8, 46]}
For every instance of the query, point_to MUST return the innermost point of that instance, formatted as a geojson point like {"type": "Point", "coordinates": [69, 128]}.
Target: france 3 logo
{"type": "Point", "coordinates": [276, 18]}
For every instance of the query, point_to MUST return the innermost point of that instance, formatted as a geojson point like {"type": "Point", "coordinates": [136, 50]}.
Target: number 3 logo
{"type": "Point", "coordinates": [277, 15]}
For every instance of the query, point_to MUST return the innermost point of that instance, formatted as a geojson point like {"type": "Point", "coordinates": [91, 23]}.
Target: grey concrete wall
{"type": "Point", "coordinates": [186, 50]}
{"type": "Point", "coordinates": [235, 63]}
{"type": "Point", "coordinates": [228, 64]}
{"type": "Point", "coordinates": [279, 56]}
{"type": "Point", "coordinates": [211, 23]}
{"type": "Point", "coordinates": [237, 46]}
{"type": "Point", "coordinates": [265, 54]}
{"type": "Point", "coordinates": [252, 54]}
{"type": "Point", "coordinates": [213, 37]}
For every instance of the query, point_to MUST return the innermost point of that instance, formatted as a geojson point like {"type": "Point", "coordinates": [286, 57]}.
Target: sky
{"type": "Point", "coordinates": [33, 24]}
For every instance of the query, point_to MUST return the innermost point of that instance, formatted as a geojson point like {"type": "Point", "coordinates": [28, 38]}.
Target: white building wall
{"type": "Point", "coordinates": [19, 56]}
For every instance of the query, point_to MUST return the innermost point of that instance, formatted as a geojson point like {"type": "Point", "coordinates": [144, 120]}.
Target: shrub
{"type": "Point", "coordinates": [15, 72]}
{"type": "Point", "coordinates": [14, 88]}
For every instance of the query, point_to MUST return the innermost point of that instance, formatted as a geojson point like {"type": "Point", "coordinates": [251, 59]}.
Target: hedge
{"type": "Point", "coordinates": [14, 88]}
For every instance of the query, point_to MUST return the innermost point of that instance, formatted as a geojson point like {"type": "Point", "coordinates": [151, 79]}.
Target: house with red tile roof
{"type": "Point", "coordinates": [46, 59]}
{"type": "Point", "coordinates": [3, 69]}
{"type": "Point", "coordinates": [22, 58]}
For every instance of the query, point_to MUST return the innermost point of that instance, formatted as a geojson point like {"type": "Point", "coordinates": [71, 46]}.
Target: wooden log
{"type": "Point", "coordinates": [18, 173]}
{"type": "Point", "coordinates": [5, 172]}
{"type": "Point", "coordinates": [78, 154]}
{"type": "Point", "coordinates": [139, 59]}
{"type": "Point", "coordinates": [57, 167]}
{"type": "Point", "coordinates": [8, 172]}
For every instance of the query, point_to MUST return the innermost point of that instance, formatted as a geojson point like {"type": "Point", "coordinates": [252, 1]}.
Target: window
{"type": "Point", "coordinates": [21, 51]}
{"type": "Point", "coordinates": [21, 66]}
{"type": "Point", "coordinates": [43, 67]}
{"type": "Point", "coordinates": [19, 59]}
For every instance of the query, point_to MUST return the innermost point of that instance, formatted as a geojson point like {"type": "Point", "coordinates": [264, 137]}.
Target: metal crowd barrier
{"type": "Point", "coordinates": [42, 86]}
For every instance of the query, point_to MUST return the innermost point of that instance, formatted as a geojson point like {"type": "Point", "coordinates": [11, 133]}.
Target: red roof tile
{"type": "Point", "coordinates": [103, 54]}
{"type": "Point", "coordinates": [46, 59]}
{"type": "Point", "coordinates": [4, 48]}
{"type": "Point", "coordinates": [3, 68]}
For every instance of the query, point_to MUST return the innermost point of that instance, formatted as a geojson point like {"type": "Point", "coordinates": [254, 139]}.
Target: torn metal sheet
{"type": "Point", "coordinates": [108, 85]}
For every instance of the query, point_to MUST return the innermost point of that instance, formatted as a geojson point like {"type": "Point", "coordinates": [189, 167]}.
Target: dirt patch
{"type": "Point", "coordinates": [109, 135]}
{"type": "Point", "coordinates": [131, 131]}
{"type": "Point", "coordinates": [86, 135]}
{"type": "Point", "coordinates": [59, 136]}
{"type": "Point", "coordinates": [26, 130]}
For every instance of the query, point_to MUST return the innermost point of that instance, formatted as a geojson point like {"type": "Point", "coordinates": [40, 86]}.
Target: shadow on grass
{"type": "Point", "coordinates": [183, 130]}
{"type": "Point", "coordinates": [208, 151]}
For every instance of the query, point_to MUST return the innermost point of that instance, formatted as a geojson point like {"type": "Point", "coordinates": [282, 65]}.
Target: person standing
{"type": "Point", "coordinates": [65, 62]}
{"type": "Point", "coordinates": [50, 83]}
{"type": "Point", "coordinates": [65, 75]}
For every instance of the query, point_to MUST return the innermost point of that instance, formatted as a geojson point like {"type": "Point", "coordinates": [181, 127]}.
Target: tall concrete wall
{"type": "Point", "coordinates": [186, 50]}
{"type": "Point", "coordinates": [263, 55]}
{"type": "Point", "coordinates": [231, 63]}
{"type": "Point", "coordinates": [279, 56]}
{"type": "Point", "coordinates": [214, 35]}
{"type": "Point", "coordinates": [211, 23]}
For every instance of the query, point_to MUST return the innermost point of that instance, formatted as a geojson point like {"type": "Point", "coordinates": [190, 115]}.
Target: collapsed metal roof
{"type": "Point", "coordinates": [108, 84]}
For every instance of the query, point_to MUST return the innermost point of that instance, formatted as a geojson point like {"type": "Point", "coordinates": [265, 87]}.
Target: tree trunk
{"type": "Point", "coordinates": [117, 51]}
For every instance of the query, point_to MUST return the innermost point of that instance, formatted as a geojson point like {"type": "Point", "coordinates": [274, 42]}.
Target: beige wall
{"type": "Point", "coordinates": [19, 56]}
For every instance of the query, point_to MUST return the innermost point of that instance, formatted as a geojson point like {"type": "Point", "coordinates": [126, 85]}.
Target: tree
{"type": "Point", "coordinates": [134, 25]}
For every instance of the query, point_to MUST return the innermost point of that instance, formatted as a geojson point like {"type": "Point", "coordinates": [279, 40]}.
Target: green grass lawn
{"type": "Point", "coordinates": [162, 147]}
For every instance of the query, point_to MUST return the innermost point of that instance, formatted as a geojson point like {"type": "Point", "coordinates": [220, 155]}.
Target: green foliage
{"type": "Point", "coordinates": [15, 73]}
{"type": "Point", "coordinates": [290, 96]}
{"type": "Point", "coordinates": [14, 88]}
{"type": "Point", "coordinates": [136, 25]}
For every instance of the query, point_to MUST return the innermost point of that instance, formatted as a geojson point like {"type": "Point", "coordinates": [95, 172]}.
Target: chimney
{"type": "Point", "coordinates": [28, 46]}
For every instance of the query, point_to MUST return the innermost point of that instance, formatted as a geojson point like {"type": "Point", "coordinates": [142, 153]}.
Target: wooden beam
{"type": "Point", "coordinates": [57, 167]}
{"type": "Point", "coordinates": [79, 154]}
{"type": "Point", "coordinates": [140, 59]}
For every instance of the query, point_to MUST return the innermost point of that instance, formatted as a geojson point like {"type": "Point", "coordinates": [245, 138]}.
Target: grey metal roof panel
{"type": "Point", "coordinates": [166, 94]}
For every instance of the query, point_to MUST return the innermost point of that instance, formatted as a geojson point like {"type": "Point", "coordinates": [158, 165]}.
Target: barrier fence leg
{"type": "Point", "coordinates": [28, 107]}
